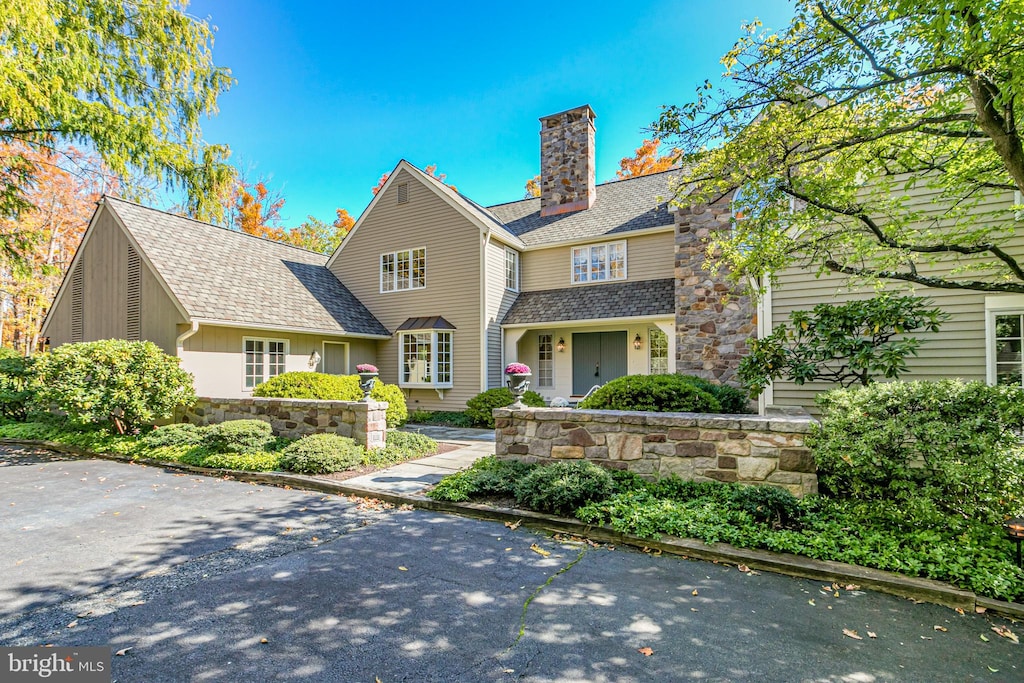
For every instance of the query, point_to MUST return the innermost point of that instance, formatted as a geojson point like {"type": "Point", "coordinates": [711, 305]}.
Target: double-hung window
{"type": "Point", "coordinates": [512, 270]}
{"type": "Point", "coordinates": [264, 358]}
{"type": "Point", "coordinates": [401, 270]}
{"type": "Point", "coordinates": [599, 262]}
{"type": "Point", "coordinates": [1009, 337]}
{"type": "Point", "coordinates": [426, 359]}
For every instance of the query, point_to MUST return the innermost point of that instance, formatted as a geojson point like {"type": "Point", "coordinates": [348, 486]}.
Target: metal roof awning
{"type": "Point", "coordinates": [435, 322]}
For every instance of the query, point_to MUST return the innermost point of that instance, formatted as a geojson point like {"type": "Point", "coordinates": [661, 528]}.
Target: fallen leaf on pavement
{"type": "Point", "coordinates": [852, 587]}
{"type": "Point", "coordinates": [984, 637]}
{"type": "Point", "coordinates": [264, 641]}
{"type": "Point", "coordinates": [851, 634]}
{"type": "Point", "coordinates": [1006, 633]}
{"type": "Point", "coordinates": [694, 592]}
{"type": "Point", "coordinates": [122, 652]}
{"type": "Point", "coordinates": [540, 551]}
{"type": "Point", "coordinates": [743, 568]}
{"type": "Point", "coordinates": [940, 628]}
{"type": "Point", "coordinates": [995, 671]}
{"type": "Point", "coordinates": [980, 610]}
{"type": "Point", "coordinates": [872, 634]}
{"type": "Point", "coordinates": [960, 611]}
{"type": "Point", "coordinates": [514, 525]}
{"type": "Point", "coordinates": [645, 651]}
{"type": "Point", "coordinates": [73, 624]}
{"type": "Point", "coordinates": [811, 602]}
{"type": "Point", "coordinates": [403, 569]}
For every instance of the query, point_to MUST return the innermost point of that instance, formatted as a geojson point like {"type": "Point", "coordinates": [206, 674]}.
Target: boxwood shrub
{"type": "Point", "coordinates": [478, 408]}
{"type": "Point", "coordinates": [174, 435]}
{"type": "Point", "coordinates": [322, 454]}
{"type": "Point", "coordinates": [238, 436]}
{"type": "Point", "coordinates": [658, 393]}
{"type": "Point", "coordinates": [324, 387]}
{"type": "Point", "coordinates": [563, 487]}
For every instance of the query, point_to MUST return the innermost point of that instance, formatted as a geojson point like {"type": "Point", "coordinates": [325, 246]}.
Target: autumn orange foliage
{"type": "Point", "coordinates": [646, 161]}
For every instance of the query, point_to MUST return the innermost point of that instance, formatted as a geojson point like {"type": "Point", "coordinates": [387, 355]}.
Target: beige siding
{"type": "Point", "coordinates": [105, 262]}
{"type": "Point", "coordinates": [648, 257]}
{"type": "Point", "coordinates": [453, 247]}
{"type": "Point", "coordinates": [214, 355]}
{"type": "Point", "coordinates": [957, 350]}
{"type": "Point", "coordinates": [499, 300]}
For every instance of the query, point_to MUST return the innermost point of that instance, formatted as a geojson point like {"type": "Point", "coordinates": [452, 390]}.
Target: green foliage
{"type": "Point", "coordinates": [132, 81]}
{"type": "Point", "coordinates": [419, 444]}
{"type": "Point", "coordinates": [322, 454]}
{"type": "Point", "coordinates": [920, 99]}
{"type": "Point", "coordinates": [732, 400]}
{"type": "Point", "coordinates": [257, 461]}
{"type": "Point", "coordinates": [440, 417]}
{"type": "Point", "coordinates": [16, 390]}
{"type": "Point", "coordinates": [324, 387]}
{"type": "Point", "coordinates": [658, 393]}
{"type": "Point", "coordinates": [954, 443]}
{"type": "Point", "coordinates": [479, 408]}
{"type": "Point", "coordinates": [131, 381]}
{"type": "Point", "coordinates": [238, 436]}
{"type": "Point", "coordinates": [488, 477]}
{"type": "Point", "coordinates": [768, 505]}
{"type": "Point", "coordinates": [563, 487]}
{"type": "Point", "coordinates": [184, 434]}
{"type": "Point", "coordinates": [847, 344]}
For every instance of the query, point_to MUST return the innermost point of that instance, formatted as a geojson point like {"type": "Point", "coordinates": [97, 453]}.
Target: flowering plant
{"type": "Point", "coordinates": [366, 367]}
{"type": "Point", "coordinates": [517, 369]}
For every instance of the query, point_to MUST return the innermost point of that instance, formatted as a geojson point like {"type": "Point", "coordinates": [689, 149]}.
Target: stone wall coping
{"type": "Point", "coordinates": [308, 402]}
{"type": "Point", "coordinates": [800, 424]}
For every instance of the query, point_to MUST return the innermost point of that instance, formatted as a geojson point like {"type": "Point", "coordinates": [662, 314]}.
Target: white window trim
{"type": "Point", "coordinates": [266, 360]}
{"type": "Point", "coordinates": [551, 384]}
{"type": "Point", "coordinates": [433, 359]}
{"type": "Point", "coordinates": [412, 286]}
{"type": "Point", "coordinates": [997, 305]}
{"type": "Point", "coordinates": [588, 247]}
{"type": "Point", "coordinates": [651, 331]}
{"type": "Point", "coordinates": [516, 276]}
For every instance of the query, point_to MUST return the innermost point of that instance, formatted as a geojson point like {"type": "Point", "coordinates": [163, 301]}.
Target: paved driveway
{"type": "Point", "coordinates": [214, 580]}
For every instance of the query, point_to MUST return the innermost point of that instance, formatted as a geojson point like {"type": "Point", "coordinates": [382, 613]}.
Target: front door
{"type": "Point", "coordinates": [335, 358]}
{"type": "Point", "coordinates": [597, 358]}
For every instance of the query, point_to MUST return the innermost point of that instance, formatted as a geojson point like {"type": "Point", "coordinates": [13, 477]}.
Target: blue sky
{"type": "Point", "coordinates": [331, 95]}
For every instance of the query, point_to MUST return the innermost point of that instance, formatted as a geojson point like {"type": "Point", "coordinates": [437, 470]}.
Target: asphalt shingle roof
{"type": "Point", "coordinates": [588, 302]}
{"type": "Point", "coordinates": [224, 275]}
{"type": "Point", "coordinates": [620, 206]}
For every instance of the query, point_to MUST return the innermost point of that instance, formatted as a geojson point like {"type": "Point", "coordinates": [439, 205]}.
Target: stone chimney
{"type": "Point", "coordinates": [567, 161]}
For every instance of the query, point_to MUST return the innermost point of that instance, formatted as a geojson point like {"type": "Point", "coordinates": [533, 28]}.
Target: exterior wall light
{"type": "Point", "coordinates": [637, 341]}
{"type": "Point", "coordinates": [314, 360]}
{"type": "Point", "coordinates": [1015, 532]}
{"type": "Point", "coordinates": [561, 344]}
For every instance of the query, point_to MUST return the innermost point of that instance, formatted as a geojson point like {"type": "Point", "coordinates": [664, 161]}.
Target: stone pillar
{"type": "Point", "coordinates": [567, 173]}
{"type": "Point", "coordinates": [371, 424]}
{"type": "Point", "coordinates": [714, 318]}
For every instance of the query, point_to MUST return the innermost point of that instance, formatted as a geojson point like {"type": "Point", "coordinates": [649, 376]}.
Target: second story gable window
{"type": "Point", "coordinates": [400, 270]}
{"type": "Point", "coordinates": [512, 270]}
{"type": "Point", "coordinates": [599, 262]}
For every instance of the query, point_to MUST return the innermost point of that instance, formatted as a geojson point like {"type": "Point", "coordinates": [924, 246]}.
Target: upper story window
{"type": "Point", "coordinates": [512, 270]}
{"type": "Point", "coordinates": [401, 270]}
{"type": "Point", "coordinates": [264, 358]}
{"type": "Point", "coordinates": [599, 262]}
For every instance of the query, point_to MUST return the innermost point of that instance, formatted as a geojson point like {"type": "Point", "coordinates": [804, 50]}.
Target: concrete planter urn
{"type": "Point", "coordinates": [367, 378]}
{"type": "Point", "coordinates": [519, 382]}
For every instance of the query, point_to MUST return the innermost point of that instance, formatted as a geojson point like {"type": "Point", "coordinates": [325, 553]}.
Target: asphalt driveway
{"type": "Point", "coordinates": [203, 579]}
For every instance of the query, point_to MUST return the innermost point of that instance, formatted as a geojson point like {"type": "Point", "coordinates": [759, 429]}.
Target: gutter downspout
{"type": "Point", "coordinates": [179, 342]}
{"type": "Point", "coordinates": [483, 309]}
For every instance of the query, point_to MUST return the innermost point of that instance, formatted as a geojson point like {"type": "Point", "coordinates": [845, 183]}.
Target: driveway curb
{"type": "Point", "coordinates": [913, 588]}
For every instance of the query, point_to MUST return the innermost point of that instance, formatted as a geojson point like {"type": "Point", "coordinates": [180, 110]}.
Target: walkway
{"type": "Point", "coordinates": [417, 475]}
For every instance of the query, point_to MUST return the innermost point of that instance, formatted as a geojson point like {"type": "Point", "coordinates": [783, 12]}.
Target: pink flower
{"type": "Point", "coordinates": [366, 367]}
{"type": "Point", "coordinates": [517, 369]}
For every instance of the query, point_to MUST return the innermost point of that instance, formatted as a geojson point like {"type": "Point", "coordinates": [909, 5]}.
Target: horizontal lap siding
{"type": "Point", "coordinates": [453, 281]}
{"type": "Point", "coordinates": [648, 257]}
{"type": "Point", "coordinates": [956, 350]}
{"type": "Point", "coordinates": [499, 300]}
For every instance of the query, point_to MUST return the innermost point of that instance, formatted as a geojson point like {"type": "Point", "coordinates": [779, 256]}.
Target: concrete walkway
{"type": "Point", "coordinates": [415, 476]}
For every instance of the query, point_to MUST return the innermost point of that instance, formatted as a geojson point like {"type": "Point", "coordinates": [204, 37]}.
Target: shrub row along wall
{"type": "Point", "coordinates": [366, 423]}
{"type": "Point", "coordinates": [748, 449]}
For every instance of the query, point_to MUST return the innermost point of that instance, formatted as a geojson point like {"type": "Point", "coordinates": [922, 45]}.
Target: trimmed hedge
{"type": "Point", "coordinates": [322, 454]}
{"type": "Point", "coordinates": [478, 408]}
{"type": "Point", "coordinates": [175, 435]}
{"type": "Point", "coordinates": [238, 436]}
{"type": "Point", "coordinates": [324, 387]}
{"type": "Point", "coordinates": [658, 393]}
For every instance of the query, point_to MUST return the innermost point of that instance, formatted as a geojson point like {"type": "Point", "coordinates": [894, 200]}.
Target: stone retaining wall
{"type": "Point", "coordinates": [366, 422]}
{"type": "Point", "coordinates": [748, 449]}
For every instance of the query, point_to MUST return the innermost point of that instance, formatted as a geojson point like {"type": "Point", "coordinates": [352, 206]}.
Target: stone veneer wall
{"type": "Point", "coordinates": [567, 170]}
{"type": "Point", "coordinates": [748, 449]}
{"type": "Point", "coordinates": [714, 319]}
{"type": "Point", "coordinates": [366, 422]}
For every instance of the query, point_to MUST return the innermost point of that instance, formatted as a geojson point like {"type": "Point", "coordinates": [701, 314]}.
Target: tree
{"type": "Point", "coordinates": [256, 211]}
{"type": "Point", "coordinates": [317, 235]}
{"type": "Point", "coordinates": [646, 161]}
{"type": "Point", "coordinates": [430, 170]}
{"type": "Point", "coordinates": [130, 79]}
{"type": "Point", "coordinates": [833, 125]}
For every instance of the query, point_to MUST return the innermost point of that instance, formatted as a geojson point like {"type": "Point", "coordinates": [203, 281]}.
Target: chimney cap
{"type": "Point", "coordinates": [583, 107]}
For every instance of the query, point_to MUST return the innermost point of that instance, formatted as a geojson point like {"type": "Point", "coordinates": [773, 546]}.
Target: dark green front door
{"type": "Point", "coordinates": [597, 358]}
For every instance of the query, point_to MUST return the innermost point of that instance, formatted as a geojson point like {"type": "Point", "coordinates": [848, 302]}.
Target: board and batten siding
{"type": "Point", "coordinates": [215, 356]}
{"type": "Point", "coordinates": [499, 300]}
{"type": "Point", "coordinates": [104, 264]}
{"type": "Point", "coordinates": [452, 289]}
{"type": "Point", "coordinates": [648, 257]}
{"type": "Point", "coordinates": [956, 350]}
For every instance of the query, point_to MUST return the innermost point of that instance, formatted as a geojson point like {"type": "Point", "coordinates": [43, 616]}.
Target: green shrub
{"type": "Point", "coordinates": [411, 442]}
{"type": "Point", "coordinates": [563, 487]}
{"type": "Point", "coordinates": [238, 436]}
{"type": "Point", "coordinates": [322, 454]}
{"type": "Point", "coordinates": [658, 393]}
{"type": "Point", "coordinates": [174, 435]}
{"type": "Point", "coordinates": [259, 461]}
{"type": "Point", "coordinates": [324, 387]}
{"type": "Point", "coordinates": [479, 408]}
{"type": "Point", "coordinates": [732, 400]}
{"type": "Point", "coordinates": [955, 443]}
{"type": "Point", "coordinates": [488, 477]}
{"type": "Point", "coordinates": [16, 389]}
{"type": "Point", "coordinates": [770, 505]}
{"type": "Point", "coordinates": [440, 417]}
{"type": "Point", "coordinates": [130, 382]}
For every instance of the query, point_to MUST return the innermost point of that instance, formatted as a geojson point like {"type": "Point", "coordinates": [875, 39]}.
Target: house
{"type": "Point", "coordinates": [585, 283]}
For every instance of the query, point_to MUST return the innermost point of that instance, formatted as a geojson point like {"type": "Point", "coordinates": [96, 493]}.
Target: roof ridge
{"type": "Point", "coordinates": [211, 225]}
{"type": "Point", "coordinates": [607, 182]}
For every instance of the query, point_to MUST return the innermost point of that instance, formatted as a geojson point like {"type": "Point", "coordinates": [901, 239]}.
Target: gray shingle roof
{"type": "Point", "coordinates": [620, 206]}
{"type": "Point", "coordinates": [588, 302]}
{"type": "Point", "coordinates": [224, 275]}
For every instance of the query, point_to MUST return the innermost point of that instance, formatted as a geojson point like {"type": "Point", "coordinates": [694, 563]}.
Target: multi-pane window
{"type": "Point", "coordinates": [264, 358]}
{"type": "Point", "coordinates": [545, 361]}
{"type": "Point", "coordinates": [427, 358]}
{"type": "Point", "coordinates": [1009, 339]}
{"type": "Point", "coordinates": [599, 262]}
{"type": "Point", "coordinates": [658, 351]}
{"type": "Point", "coordinates": [405, 269]}
{"type": "Point", "coordinates": [512, 270]}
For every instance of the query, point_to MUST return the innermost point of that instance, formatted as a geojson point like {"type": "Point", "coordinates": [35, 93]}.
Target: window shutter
{"type": "Point", "coordinates": [77, 301]}
{"type": "Point", "coordinates": [134, 295]}
{"type": "Point", "coordinates": [403, 193]}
